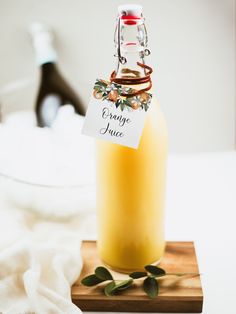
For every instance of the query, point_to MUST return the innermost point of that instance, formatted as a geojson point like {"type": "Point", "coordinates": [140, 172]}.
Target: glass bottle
{"type": "Point", "coordinates": [131, 182]}
{"type": "Point", "coordinates": [54, 91]}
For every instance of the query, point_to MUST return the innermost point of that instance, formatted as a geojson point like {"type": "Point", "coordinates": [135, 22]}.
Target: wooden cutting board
{"type": "Point", "coordinates": [176, 294]}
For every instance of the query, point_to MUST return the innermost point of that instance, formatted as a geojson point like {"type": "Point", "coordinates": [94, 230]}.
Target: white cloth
{"type": "Point", "coordinates": [40, 257]}
{"type": "Point", "coordinates": [39, 261]}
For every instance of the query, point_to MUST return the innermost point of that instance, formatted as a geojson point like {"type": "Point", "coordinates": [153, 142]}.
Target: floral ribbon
{"type": "Point", "coordinates": [116, 94]}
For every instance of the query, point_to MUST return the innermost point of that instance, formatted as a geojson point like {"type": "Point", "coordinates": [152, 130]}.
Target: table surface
{"type": "Point", "coordinates": [201, 207]}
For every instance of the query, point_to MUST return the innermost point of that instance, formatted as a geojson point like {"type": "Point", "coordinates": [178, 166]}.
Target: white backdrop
{"type": "Point", "coordinates": [193, 54]}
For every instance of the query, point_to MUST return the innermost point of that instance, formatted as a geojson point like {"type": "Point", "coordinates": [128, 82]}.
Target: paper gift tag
{"type": "Point", "coordinates": [116, 118]}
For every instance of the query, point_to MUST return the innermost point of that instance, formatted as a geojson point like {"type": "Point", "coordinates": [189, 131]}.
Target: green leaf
{"type": "Point", "coordinates": [122, 106]}
{"type": "Point", "coordinates": [151, 287]}
{"type": "Point", "coordinates": [108, 290]}
{"type": "Point", "coordinates": [156, 271]}
{"type": "Point", "coordinates": [123, 285]}
{"type": "Point", "coordinates": [117, 103]}
{"type": "Point", "coordinates": [138, 274]}
{"type": "Point", "coordinates": [91, 280]}
{"type": "Point", "coordinates": [100, 83]}
{"type": "Point", "coordinates": [103, 273]}
{"type": "Point", "coordinates": [113, 288]}
{"type": "Point", "coordinates": [128, 103]}
{"type": "Point", "coordinates": [104, 94]}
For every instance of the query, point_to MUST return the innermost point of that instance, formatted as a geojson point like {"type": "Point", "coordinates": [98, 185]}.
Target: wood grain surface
{"type": "Point", "coordinates": [176, 295]}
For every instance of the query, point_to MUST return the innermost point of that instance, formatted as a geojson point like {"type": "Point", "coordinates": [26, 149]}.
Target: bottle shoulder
{"type": "Point", "coordinates": [155, 107]}
{"type": "Point", "coordinates": [156, 121]}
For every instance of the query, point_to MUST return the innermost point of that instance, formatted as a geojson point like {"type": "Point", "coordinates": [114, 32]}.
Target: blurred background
{"type": "Point", "coordinates": [192, 45]}
{"type": "Point", "coordinates": [193, 54]}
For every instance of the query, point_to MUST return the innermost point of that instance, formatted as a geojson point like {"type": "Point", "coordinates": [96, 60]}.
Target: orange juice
{"type": "Point", "coordinates": [130, 197]}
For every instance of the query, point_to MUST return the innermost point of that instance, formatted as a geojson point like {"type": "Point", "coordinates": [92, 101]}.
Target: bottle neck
{"type": "Point", "coordinates": [130, 68]}
{"type": "Point", "coordinates": [45, 53]}
{"type": "Point", "coordinates": [43, 45]}
{"type": "Point", "coordinates": [131, 42]}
